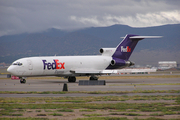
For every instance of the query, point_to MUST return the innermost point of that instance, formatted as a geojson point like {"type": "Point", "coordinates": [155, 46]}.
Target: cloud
{"type": "Point", "coordinates": [37, 15]}
{"type": "Point", "coordinates": [90, 20]}
{"type": "Point", "coordinates": [139, 20]}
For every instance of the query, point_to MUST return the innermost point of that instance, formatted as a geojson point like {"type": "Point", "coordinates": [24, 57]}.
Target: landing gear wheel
{"type": "Point", "coordinates": [22, 81]}
{"type": "Point", "coordinates": [93, 78]}
{"type": "Point", "coordinates": [71, 79]}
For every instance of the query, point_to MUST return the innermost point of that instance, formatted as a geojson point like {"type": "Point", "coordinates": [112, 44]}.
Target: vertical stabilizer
{"type": "Point", "coordinates": [125, 48]}
{"type": "Point", "coordinates": [123, 51]}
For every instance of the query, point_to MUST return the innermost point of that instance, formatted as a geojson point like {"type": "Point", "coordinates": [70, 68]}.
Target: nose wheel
{"type": "Point", "coordinates": [22, 80]}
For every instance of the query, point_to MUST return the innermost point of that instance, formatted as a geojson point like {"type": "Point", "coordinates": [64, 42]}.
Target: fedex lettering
{"type": "Point", "coordinates": [55, 65]}
{"type": "Point", "coordinates": [127, 49]}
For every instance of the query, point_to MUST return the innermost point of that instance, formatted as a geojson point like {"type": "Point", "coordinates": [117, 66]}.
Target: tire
{"type": "Point", "coordinates": [93, 78]}
{"type": "Point", "coordinates": [72, 79]}
{"type": "Point", "coordinates": [22, 81]}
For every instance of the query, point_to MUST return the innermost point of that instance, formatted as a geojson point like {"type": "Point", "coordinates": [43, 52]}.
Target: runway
{"type": "Point", "coordinates": [111, 85]}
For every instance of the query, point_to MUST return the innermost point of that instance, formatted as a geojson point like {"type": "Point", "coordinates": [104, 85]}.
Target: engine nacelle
{"type": "Point", "coordinates": [107, 51]}
{"type": "Point", "coordinates": [121, 63]}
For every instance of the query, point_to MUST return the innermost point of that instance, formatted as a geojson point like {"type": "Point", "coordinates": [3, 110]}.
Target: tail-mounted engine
{"type": "Point", "coordinates": [121, 63]}
{"type": "Point", "coordinates": [107, 51]}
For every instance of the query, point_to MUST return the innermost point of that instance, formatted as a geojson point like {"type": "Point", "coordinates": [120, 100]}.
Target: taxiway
{"type": "Point", "coordinates": [111, 85]}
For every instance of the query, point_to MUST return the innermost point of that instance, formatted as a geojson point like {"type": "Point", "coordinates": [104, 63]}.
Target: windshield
{"type": "Point", "coordinates": [17, 63]}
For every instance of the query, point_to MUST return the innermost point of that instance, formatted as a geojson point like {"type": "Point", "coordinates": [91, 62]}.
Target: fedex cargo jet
{"type": "Point", "coordinates": [72, 66]}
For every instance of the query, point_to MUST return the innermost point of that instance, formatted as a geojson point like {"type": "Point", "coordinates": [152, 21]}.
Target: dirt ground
{"type": "Point", "coordinates": [86, 113]}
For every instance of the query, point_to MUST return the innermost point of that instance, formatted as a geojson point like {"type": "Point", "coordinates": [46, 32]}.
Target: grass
{"type": "Point", "coordinates": [178, 99]}
{"type": "Point", "coordinates": [90, 115]}
{"type": "Point", "coordinates": [56, 114]}
{"type": "Point", "coordinates": [144, 107]}
{"type": "Point", "coordinates": [17, 114]}
{"type": "Point", "coordinates": [46, 110]}
{"type": "Point", "coordinates": [132, 114]}
{"type": "Point", "coordinates": [15, 107]}
{"type": "Point", "coordinates": [29, 118]}
{"type": "Point", "coordinates": [56, 100]}
{"type": "Point", "coordinates": [41, 114]}
{"type": "Point", "coordinates": [170, 112]}
{"type": "Point", "coordinates": [65, 110]}
{"type": "Point", "coordinates": [38, 110]}
{"type": "Point", "coordinates": [87, 110]}
{"type": "Point", "coordinates": [127, 114]}
{"type": "Point", "coordinates": [103, 118]}
{"type": "Point", "coordinates": [90, 92]}
{"type": "Point", "coordinates": [157, 114]}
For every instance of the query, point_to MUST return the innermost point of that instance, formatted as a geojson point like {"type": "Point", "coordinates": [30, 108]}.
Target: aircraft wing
{"type": "Point", "coordinates": [99, 72]}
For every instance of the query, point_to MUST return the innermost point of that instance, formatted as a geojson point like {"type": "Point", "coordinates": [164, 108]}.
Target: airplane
{"type": "Point", "coordinates": [72, 66]}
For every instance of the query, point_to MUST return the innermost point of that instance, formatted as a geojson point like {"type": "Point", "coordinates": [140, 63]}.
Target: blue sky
{"type": "Point", "coordinates": [19, 16]}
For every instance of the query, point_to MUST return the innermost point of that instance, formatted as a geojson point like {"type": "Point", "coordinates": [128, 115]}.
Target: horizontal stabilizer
{"type": "Point", "coordinates": [143, 37]}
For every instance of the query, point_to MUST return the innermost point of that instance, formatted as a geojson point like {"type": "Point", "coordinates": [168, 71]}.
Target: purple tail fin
{"type": "Point", "coordinates": [125, 48]}
{"type": "Point", "coordinates": [120, 58]}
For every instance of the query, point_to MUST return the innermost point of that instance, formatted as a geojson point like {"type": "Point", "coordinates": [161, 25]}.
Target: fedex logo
{"type": "Point", "coordinates": [55, 65]}
{"type": "Point", "coordinates": [127, 49]}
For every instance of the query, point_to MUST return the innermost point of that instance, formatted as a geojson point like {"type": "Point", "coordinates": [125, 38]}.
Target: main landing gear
{"type": "Point", "coordinates": [22, 80]}
{"type": "Point", "coordinates": [71, 79]}
{"type": "Point", "coordinates": [93, 78]}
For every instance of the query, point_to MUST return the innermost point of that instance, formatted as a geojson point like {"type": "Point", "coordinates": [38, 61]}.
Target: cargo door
{"type": "Point", "coordinates": [30, 65]}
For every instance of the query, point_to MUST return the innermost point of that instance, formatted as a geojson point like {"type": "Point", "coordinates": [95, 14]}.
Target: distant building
{"type": "Point", "coordinates": [167, 64]}
{"type": "Point", "coordinates": [136, 70]}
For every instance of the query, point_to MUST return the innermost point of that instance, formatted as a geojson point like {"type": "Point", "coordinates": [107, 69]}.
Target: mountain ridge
{"type": "Point", "coordinates": [88, 41]}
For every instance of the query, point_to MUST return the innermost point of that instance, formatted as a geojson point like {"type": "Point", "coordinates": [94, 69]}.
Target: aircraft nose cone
{"type": "Point", "coordinates": [10, 69]}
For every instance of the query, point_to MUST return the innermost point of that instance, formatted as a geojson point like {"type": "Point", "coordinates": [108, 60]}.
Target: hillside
{"type": "Point", "coordinates": [88, 41]}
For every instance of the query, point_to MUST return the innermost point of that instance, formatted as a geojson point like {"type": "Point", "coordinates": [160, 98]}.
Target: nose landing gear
{"type": "Point", "coordinates": [22, 80]}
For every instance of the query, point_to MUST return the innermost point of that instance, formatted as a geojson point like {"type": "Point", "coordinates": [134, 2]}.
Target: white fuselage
{"type": "Point", "coordinates": [58, 65]}
{"type": "Point", "coordinates": [71, 66]}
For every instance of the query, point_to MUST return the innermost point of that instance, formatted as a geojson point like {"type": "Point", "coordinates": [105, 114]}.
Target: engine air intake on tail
{"type": "Point", "coordinates": [107, 51]}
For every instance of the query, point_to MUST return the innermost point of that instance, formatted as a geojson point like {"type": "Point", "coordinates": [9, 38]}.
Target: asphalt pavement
{"type": "Point", "coordinates": [111, 85]}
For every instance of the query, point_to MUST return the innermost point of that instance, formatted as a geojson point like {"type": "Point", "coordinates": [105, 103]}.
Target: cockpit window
{"type": "Point", "coordinates": [17, 63]}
